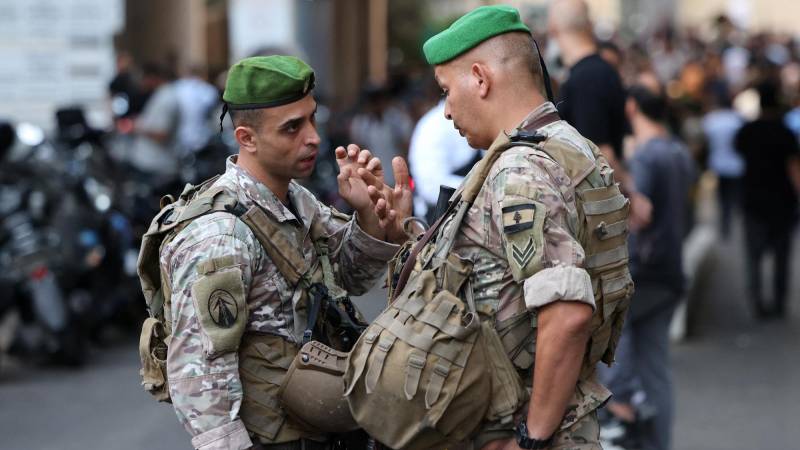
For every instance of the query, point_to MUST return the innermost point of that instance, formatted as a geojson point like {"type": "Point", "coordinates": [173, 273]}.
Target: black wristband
{"type": "Point", "coordinates": [525, 441]}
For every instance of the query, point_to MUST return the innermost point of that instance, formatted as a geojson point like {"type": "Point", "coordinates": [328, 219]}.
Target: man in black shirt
{"type": "Point", "coordinates": [770, 202]}
{"type": "Point", "coordinates": [593, 99]}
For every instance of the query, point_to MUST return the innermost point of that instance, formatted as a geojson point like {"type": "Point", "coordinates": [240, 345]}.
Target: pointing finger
{"type": "Point", "coordinates": [401, 173]}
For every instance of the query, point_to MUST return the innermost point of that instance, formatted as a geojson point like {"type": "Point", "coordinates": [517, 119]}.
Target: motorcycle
{"type": "Point", "coordinates": [37, 317]}
{"type": "Point", "coordinates": [95, 210]}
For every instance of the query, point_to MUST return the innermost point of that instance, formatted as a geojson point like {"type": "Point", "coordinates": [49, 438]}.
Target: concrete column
{"type": "Point", "coordinates": [350, 64]}
{"type": "Point", "coordinates": [378, 22]}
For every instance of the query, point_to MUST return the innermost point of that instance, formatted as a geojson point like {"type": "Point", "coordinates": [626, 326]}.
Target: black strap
{"type": "Point", "coordinates": [222, 116]}
{"type": "Point", "coordinates": [545, 75]}
{"type": "Point", "coordinates": [317, 295]}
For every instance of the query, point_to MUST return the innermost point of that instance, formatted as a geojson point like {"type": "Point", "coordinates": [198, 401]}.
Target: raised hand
{"type": "Point", "coordinates": [392, 205]}
{"type": "Point", "coordinates": [353, 189]}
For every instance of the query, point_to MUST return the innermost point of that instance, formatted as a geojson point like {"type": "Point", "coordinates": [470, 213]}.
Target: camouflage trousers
{"type": "Point", "coordinates": [581, 435]}
{"type": "Point", "coordinates": [584, 434]}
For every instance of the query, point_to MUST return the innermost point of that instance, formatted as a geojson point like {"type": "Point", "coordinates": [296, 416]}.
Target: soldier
{"type": "Point", "coordinates": [545, 236]}
{"type": "Point", "coordinates": [238, 290]}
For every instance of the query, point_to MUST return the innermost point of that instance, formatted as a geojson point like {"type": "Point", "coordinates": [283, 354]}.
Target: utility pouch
{"type": "Point", "coordinates": [153, 354]}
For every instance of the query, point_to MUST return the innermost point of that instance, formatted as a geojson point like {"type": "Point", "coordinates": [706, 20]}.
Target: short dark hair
{"type": "Point", "coordinates": [610, 46]}
{"type": "Point", "coordinates": [246, 118]}
{"type": "Point", "coordinates": [521, 46]}
{"type": "Point", "coordinates": [653, 105]}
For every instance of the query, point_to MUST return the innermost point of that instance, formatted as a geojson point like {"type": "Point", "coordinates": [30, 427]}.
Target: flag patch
{"type": "Point", "coordinates": [518, 217]}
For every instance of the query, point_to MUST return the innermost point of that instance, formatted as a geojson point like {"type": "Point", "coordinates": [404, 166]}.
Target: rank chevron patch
{"type": "Point", "coordinates": [521, 257]}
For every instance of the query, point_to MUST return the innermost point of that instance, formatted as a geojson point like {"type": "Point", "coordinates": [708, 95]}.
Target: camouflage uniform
{"type": "Point", "coordinates": [525, 176]}
{"type": "Point", "coordinates": [205, 384]}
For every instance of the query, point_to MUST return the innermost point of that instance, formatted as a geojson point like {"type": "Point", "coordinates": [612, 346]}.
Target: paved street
{"type": "Point", "coordinates": [737, 379]}
{"type": "Point", "coordinates": [736, 384]}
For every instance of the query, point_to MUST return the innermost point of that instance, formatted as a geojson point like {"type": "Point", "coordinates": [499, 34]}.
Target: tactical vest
{"type": "Point", "coordinates": [263, 359]}
{"type": "Point", "coordinates": [429, 359]}
{"type": "Point", "coordinates": [602, 229]}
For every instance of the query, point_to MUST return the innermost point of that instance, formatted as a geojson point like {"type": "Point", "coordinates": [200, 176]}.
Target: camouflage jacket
{"type": "Point", "coordinates": [205, 385]}
{"type": "Point", "coordinates": [527, 189]}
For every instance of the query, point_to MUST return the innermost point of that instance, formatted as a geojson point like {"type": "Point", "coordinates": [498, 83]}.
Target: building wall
{"type": "Point", "coordinates": [56, 53]}
{"type": "Point", "coordinates": [171, 31]}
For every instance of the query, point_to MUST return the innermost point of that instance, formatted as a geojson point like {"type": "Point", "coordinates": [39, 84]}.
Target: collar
{"type": "Point", "coordinates": [530, 123]}
{"type": "Point", "coordinates": [258, 193]}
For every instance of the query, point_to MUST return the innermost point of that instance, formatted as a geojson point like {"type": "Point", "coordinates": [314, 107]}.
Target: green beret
{"type": "Point", "coordinates": [267, 81]}
{"type": "Point", "coordinates": [470, 30]}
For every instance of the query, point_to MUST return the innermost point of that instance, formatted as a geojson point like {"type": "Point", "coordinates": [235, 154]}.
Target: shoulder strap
{"type": "Point", "coordinates": [275, 243]}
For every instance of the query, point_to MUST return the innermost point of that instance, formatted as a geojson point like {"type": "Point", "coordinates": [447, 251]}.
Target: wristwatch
{"type": "Point", "coordinates": [525, 441]}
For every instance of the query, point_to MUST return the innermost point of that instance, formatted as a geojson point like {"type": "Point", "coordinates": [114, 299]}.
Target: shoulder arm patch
{"type": "Point", "coordinates": [220, 302]}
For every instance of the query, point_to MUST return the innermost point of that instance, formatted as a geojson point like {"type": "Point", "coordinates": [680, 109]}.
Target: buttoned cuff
{"type": "Point", "coordinates": [367, 244]}
{"type": "Point", "coordinates": [558, 284]}
{"type": "Point", "coordinates": [231, 436]}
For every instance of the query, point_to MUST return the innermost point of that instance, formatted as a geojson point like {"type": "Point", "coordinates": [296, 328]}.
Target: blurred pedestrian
{"type": "Point", "coordinates": [382, 127]}
{"type": "Point", "coordinates": [720, 125]}
{"type": "Point", "coordinates": [592, 99]}
{"type": "Point", "coordinates": [197, 98]}
{"type": "Point", "coordinates": [154, 149]}
{"type": "Point", "coordinates": [663, 170]}
{"type": "Point", "coordinates": [438, 156]}
{"type": "Point", "coordinates": [667, 59]}
{"type": "Point", "coordinates": [770, 194]}
{"type": "Point", "coordinates": [612, 54]}
{"type": "Point", "coordinates": [126, 94]}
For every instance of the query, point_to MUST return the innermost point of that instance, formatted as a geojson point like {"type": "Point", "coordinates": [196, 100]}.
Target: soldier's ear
{"type": "Point", "coordinates": [246, 138]}
{"type": "Point", "coordinates": [480, 79]}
